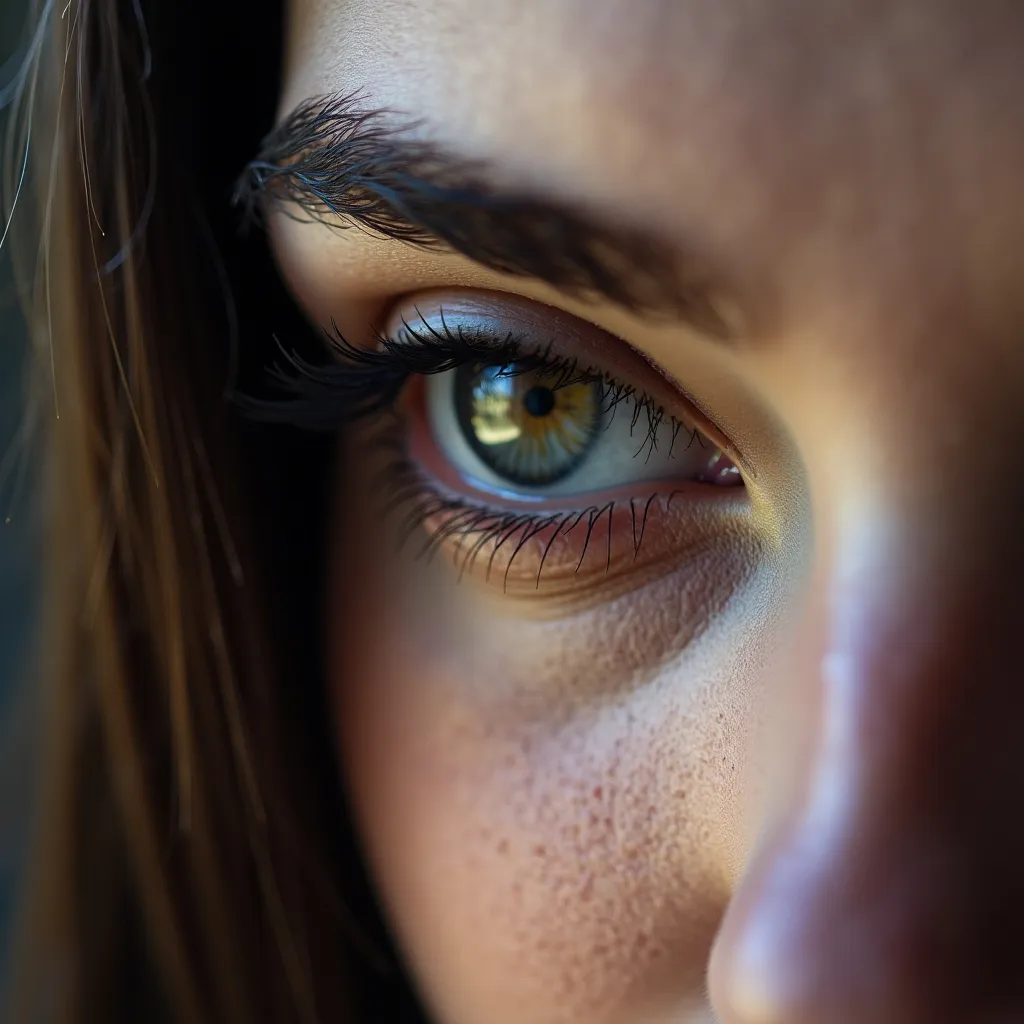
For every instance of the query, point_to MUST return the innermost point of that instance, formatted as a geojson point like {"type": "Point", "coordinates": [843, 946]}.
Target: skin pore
{"type": "Point", "coordinates": [766, 771]}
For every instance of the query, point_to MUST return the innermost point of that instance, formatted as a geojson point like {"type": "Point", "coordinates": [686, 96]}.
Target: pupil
{"type": "Point", "coordinates": [539, 401]}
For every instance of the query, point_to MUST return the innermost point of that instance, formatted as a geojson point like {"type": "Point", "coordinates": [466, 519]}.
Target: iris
{"type": "Point", "coordinates": [526, 425]}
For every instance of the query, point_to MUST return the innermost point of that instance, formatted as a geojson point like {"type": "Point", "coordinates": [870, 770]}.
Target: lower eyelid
{"type": "Point", "coordinates": [558, 553]}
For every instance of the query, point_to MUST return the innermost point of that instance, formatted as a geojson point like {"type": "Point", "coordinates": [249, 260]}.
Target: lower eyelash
{"type": "Point", "coordinates": [489, 527]}
{"type": "Point", "coordinates": [406, 487]}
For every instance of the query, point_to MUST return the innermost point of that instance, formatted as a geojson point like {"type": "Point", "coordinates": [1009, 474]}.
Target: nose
{"type": "Point", "coordinates": [890, 890]}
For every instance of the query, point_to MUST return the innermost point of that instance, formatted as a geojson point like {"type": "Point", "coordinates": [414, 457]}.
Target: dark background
{"type": "Point", "coordinates": [15, 554]}
{"type": "Point", "coordinates": [18, 550]}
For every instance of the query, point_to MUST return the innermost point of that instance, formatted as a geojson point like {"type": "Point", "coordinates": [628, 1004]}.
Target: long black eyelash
{"type": "Point", "coordinates": [363, 382]}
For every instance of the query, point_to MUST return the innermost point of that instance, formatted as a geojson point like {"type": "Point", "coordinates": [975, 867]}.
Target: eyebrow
{"type": "Point", "coordinates": [335, 162]}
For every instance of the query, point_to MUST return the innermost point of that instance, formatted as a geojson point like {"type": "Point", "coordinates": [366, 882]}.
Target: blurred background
{"type": "Point", "coordinates": [18, 547]}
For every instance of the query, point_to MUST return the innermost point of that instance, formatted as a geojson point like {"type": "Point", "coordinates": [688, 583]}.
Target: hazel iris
{"type": "Point", "coordinates": [524, 424]}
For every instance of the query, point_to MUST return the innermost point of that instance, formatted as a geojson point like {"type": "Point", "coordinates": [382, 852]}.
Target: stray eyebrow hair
{"type": "Point", "coordinates": [333, 162]}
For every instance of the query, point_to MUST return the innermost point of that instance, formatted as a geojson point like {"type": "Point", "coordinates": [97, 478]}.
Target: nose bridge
{"type": "Point", "coordinates": [892, 888]}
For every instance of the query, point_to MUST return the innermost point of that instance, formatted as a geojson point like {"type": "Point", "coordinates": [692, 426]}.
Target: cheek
{"type": "Point", "coordinates": [547, 850]}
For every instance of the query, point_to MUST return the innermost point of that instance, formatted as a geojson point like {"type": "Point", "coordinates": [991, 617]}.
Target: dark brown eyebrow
{"type": "Point", "coordinates": [334, 162]}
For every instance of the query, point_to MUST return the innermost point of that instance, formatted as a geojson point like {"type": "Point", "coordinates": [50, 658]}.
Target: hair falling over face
{"type": "Point", "coordinates": [190, 857]}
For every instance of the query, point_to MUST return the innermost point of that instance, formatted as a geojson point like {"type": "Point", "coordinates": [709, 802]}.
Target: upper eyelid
{"type": "Point", "coordinates": [655, 383]}
{"type": "Point", "coordinates": [517, 350]}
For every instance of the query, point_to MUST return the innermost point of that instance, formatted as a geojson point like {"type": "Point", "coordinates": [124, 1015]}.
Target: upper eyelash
{"type": "Point", "coordinates": [363, 382]}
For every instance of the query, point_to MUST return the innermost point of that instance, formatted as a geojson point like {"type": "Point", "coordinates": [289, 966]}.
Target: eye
{"type": "Point", "coordinates": [532, 450]}
{"type": "Point", "coordinates": [540, 431]}
{"type": "Point", "coordinates": [561, 458]}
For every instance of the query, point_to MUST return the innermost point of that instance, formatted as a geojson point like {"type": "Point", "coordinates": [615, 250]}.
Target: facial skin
{"type": "Point", "coordinates": [775, 778]}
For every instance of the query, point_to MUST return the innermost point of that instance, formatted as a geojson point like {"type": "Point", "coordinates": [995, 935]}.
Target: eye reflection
{"type": "Point", "coordinates": [523, 424]}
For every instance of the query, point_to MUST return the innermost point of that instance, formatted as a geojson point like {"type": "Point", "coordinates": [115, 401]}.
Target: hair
{"type": "Point", "coordinates": [192, 855]}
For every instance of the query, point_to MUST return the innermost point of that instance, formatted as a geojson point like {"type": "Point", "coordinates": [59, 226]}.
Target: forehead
{"type": "Point", "coordinates": [791, 136]}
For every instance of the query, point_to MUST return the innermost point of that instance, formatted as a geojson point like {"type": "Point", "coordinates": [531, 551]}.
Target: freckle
{"type": "Point", "coordinates": [540, 850]}
{"type": "Point", "coordinates": [503, 847]}
{"type": "Point", "coordinates": [641, 942]}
